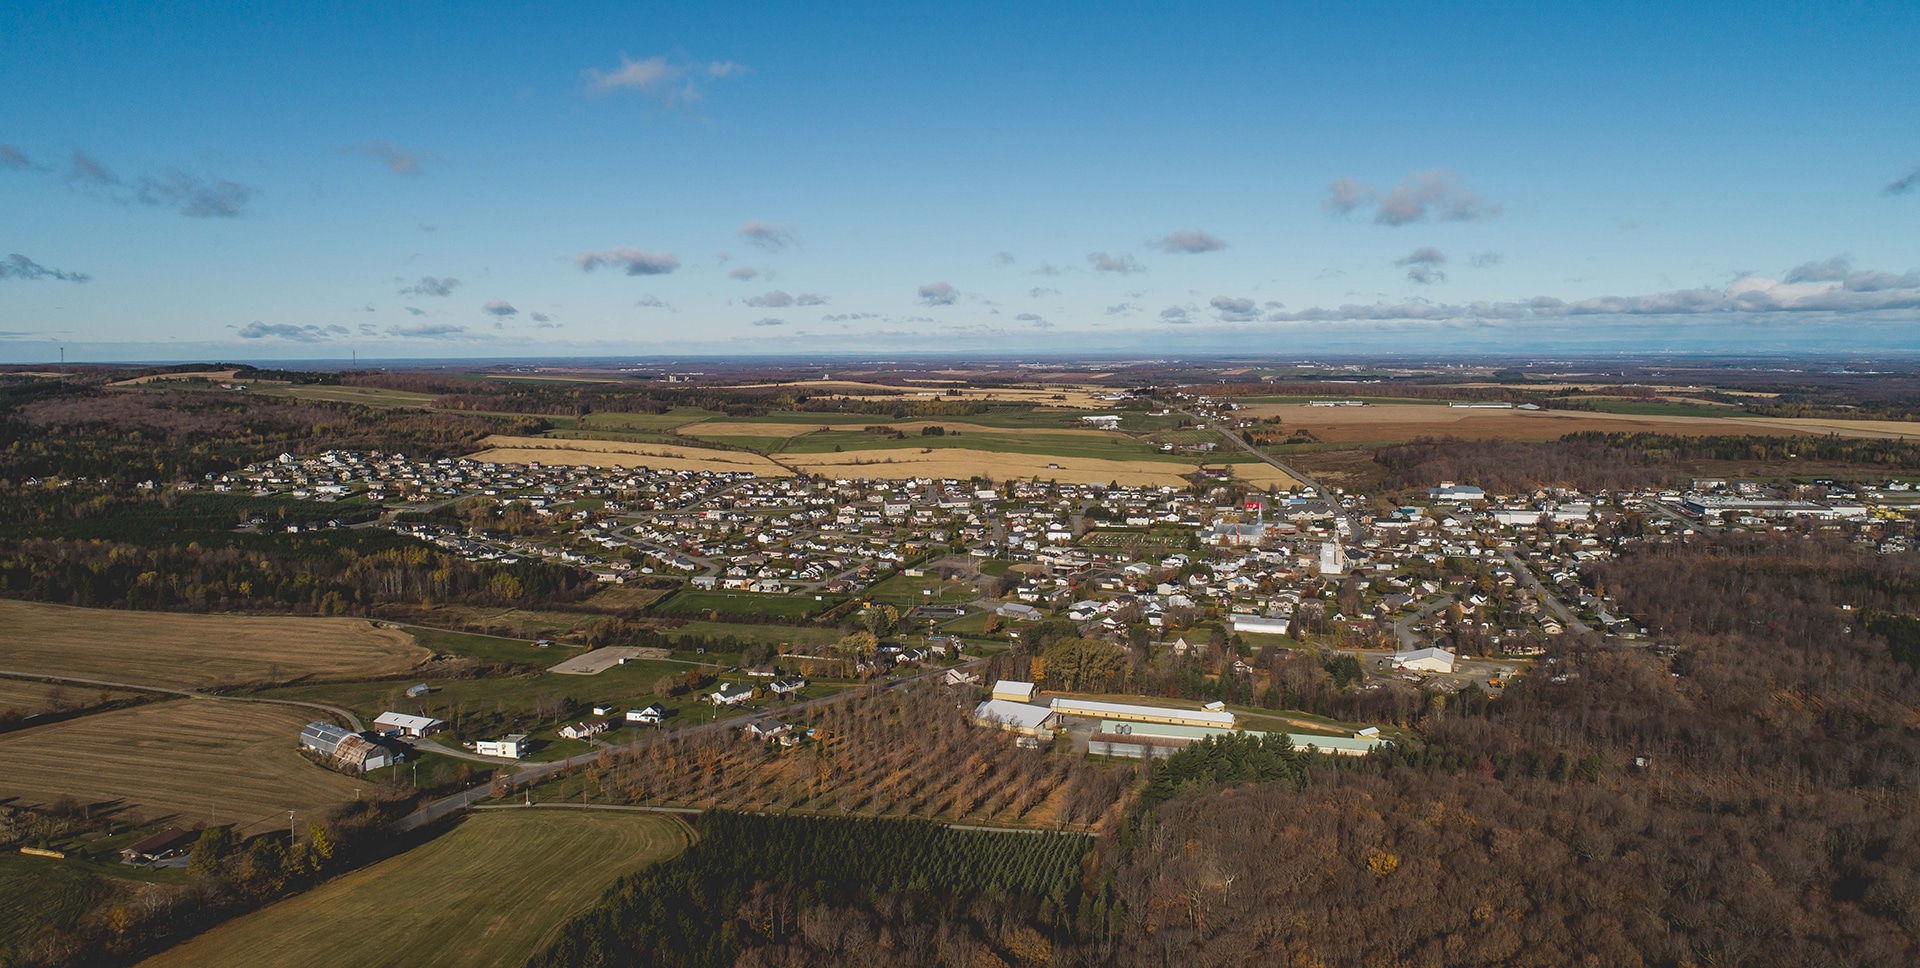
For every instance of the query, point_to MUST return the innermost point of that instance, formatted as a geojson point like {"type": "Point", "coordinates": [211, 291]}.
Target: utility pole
{"type": "Point", "coordinates": [290, 834]}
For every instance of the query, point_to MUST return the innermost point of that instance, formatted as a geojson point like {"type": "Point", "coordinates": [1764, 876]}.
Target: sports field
{"type": "Point", "coordinates": [615, 453]}
{"type": "Point", "coordinates": [192, 759]}
{"type": "Point", "coordinates": [1405, 421]}
{"type": "Point", "coordinates": [488, 893]}
{"type": "Point", "coordinates": [196, 651]}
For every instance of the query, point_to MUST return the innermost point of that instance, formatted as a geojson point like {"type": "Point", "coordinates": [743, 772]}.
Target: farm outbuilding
{"type": "Point", "coordinates": [1016, 716]}
{"type": "Point", "coordinates": [345, 751]}
{"type": "Point", "coordinates": [166, 845]}
{"type": "Point", "coordinates": [404, 724]}
{"type": "Point", "coordinates": [1013, 690]}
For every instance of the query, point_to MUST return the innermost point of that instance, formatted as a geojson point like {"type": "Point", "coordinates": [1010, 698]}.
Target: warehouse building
{"type": "Point", "coordinates": [404, 724]}
{"type": "Point", "coordinates": [1215, 718]}
{"type": "Point", "coordinates": [1018, 717]}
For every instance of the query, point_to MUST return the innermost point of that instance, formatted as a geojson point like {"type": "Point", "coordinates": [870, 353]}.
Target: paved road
{"type": "Point", "coordinates": [189, 693]}
{"type": "Point", "coordinates": [530, 773]}
{"type": "Point", "coordinates": [1403, 630]}
{"type": "Point", "coordinates": [1526, 574]}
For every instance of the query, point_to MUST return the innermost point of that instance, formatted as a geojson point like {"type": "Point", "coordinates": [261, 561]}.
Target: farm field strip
{"type": "Point", "coordinates": [488, 893]}
{"type": "Point", "coordinates": [196, 651]}
{"type": "Point", "coordinates": [612, 453]}
{"type": "Point", "coordinates": [194, 759]}
{"type": "Point", "coordinates": [962, 463]}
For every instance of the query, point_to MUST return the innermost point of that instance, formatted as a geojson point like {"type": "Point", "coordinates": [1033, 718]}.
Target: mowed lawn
{"type": "Point", "coordinates": [490, 892]}
{"type": "Point", "coordinates": [192, 760]}
{"type": "Point", "coordinates": [196, 651]}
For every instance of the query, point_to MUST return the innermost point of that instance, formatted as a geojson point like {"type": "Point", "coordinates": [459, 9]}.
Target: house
{"type": "Point", "coordinates": [771, 729]}
{"type": "Point", "coordinates": [730, 695]}
{"type": "Point", "coordinates": [788, 686]}
{"type": "Point", "coordinates": [513, 746]}
{"type": "Point", "coordinates": [1429, 659]}
{"type": "Point", "coordinates": [585, 730]}
{"type": "Point", "coordinates": [1013, 690]}
{"type": "Point", "coordinates": [403, 724]}
{"type": "Point", "coordinates": [650, 716]}
{"type": "Point", "coordinates": [960, 677]}
{"type": "Point", "coordinates": [168, 844]}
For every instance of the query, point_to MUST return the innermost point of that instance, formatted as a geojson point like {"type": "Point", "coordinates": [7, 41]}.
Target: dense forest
{"type": "Point", "coordinates": [1610, 461]}
{"type": "Point", "coordinates": [1738, 792]}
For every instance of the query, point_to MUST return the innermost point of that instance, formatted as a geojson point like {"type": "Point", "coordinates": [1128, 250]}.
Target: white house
{"type": "Point", "coordinates": [730, 695]}
{"type": "Point", "coordinates": [650, 716]}
{"type": "Point", "coordinates": [513, 746]}
{"type": "Point", "coordinates": [1429, 659]}
{"type": "Point", "coordinates": [584, 730]}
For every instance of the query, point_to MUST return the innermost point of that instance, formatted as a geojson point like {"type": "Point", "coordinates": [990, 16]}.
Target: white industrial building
{"type": "Point", "coordinates": [1016, 716]}
{"type": "Point", "coordinates": [1430, 659]}
{"type": "Point", "coordinates": [1245, 622]}
{"type": "Point", "coordinates": [1013, 690]}
{"type": "Point", "coordinates": [1125, 712]}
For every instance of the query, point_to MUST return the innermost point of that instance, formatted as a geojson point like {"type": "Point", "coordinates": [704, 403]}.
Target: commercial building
{"type": "Point", "coordinates": [1018, 717]}
{"type": "Point", "coordinates": [1429, 659]}
{"type": "Point", "coordinates": [1125, 712]}
{"type": "Point", "coordinates": [404, 724]}
{"type": "Point", "coordinates": [513, 746]}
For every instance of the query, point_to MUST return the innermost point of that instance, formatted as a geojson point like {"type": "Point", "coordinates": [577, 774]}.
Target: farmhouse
{"type": "Point", "coordinates": [730, 695]}
{"type": "Point", "coordinates": [1429, 659]}
{"type": "Point", "coordinates": [650, 716]}
{"type": "Point", "coordinates": [513, 747]}
{"type": "Point", "coordinates": [166, 845]}
{"type": "Point", "coordinates": [788, 686]}
{"type": "Point", "coordinates": [403, 724]}
{"type": "Point", "coordinates": [584, 730]}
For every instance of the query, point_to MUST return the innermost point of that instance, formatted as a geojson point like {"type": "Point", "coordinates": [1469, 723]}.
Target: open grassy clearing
{"type": "Point", "coordinates": [489, 892]}
{"type": "Point", "coordinates": [38, 893]}
{"type": "Point", "coordinates": [1404, 421]}
{"type": "Point", "coordinates": [193, 759]}
{"type": "Point", "coordinates": [762, 634]}
{"type": "Point", "coordinates": [196, 651]}
{"type": "Point", "coordinates": [613, 453]}
{"type": "Point", "coordinates": [364, 396]}
{"type": "Point", "coordinates": [746, 603]}
{"type": "Point", "coordinates": [173, 377]}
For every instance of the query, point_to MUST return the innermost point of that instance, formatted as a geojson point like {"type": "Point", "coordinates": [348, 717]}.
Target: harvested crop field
{"type": "Point", "coordinates": [615, 453]}
{"type": "Point", "coordinates": [192, 759]}
{"type": "Point", "coordinates": [962, 463]}
{"type": "Point", "coordinates": [20, 698]}
{"type": "Point", "coordinates": [196, 651]}
{"type": "Point", "coordinates": [1391, 422]}
{"type": "Point", "coordinates": [488, 893]}
{"type": "Point", "coordinates": [768, 428]}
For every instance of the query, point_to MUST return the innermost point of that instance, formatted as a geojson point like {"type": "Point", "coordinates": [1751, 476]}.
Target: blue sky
{"type": "Point", "coordinates": [415, 180]}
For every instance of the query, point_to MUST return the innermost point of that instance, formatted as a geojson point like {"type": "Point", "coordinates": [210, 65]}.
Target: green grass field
{"type": "Point", "coordinates": [488, 893]}
{"type": "Point", "coordinates": [39, 892]}
{"type": "Point", "coordinates": [745, 603]}
{"type": "Point", "coordinates": [903, 590]}
{"type": "Point", "coordinates": [364, 396]}
{"type": "Point", "coordinates": [763, 634]}
{"type": "Point", "coordinates": [485, 646]}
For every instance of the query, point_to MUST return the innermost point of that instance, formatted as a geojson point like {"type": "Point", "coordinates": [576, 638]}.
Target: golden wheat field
{"type": "Point", "coordinates": [616, 453]}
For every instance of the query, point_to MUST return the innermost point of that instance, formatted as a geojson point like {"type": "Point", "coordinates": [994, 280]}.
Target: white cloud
{"type": "Point", "coordinates": [630, 260]}
{"type": "Point", "coordinates": [769, 236]}
{"type": "Point", "coordinates": [1124, 264]}
{"type": "Point", "coordinates": [939, 294]}
{"type": "Point", "coordinates": [1190, 242]}
{"type": "Point", "coordinates": [667, 81]}
{"type": "Point", "coordinates": [308, 333]}
{"type": "Point", "coordinates": [1438, 196]}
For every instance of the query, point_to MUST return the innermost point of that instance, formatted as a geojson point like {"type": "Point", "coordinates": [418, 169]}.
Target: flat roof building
{"type": "Point", "coordinates": [1142, 714]}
